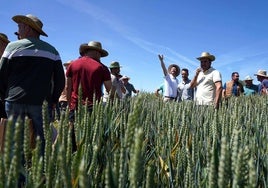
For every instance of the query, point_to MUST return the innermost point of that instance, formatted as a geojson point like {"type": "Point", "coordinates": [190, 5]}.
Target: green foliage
{"type": "Point", "coordinates": [144, 142]}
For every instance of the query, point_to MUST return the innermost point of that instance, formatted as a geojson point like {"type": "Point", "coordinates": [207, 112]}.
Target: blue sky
{"type": "Point", "coordinates": [135, 32]}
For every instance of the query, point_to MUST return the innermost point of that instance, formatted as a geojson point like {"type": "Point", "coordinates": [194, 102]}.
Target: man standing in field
{"type": "Point", "coordinates": [90, 74]}
{"type": "Point", "coordinates": [207, 81]}
{"type": "Point", "coordinates": [250, 88]}
{"type": "Point", "coordinates": [129, 87]}
{"type": "Point", "coordinates": [185, 92]}
{"type": "Point", "coordinates": [263, 79]}
{"type": "Point", "coordinates": [170, 80]}
{"type": "Point", "coordinates": [233, 87]}
{"type": "Point", "coordinates": [27, 68]}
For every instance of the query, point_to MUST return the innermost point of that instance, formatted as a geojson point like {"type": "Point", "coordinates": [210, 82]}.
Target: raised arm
{"type": "Point", "coordinates": [161, 58]}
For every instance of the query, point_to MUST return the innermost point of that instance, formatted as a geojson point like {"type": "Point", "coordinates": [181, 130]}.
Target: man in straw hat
{"type": "Point", "coordinates": [263, 79]}
{"type": "Point", "coordinates": [170, 80]}
{"type": "Point", "coordinates": [129, 87]}
{"type": "Point", "coordinates": [207, 81]}
{"type": "Point", "coordinates": [249, 87]}
{"type": "Point", "coordinates": [3, 43]}
{"type": "Point", "coordinates": [118, 88]}
{"type": "Point", "coordinates": [27, 69]}
{"type": "Point", "coordinates": [89, 73]}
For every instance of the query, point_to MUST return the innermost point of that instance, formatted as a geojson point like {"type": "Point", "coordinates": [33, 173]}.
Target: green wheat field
{"type": "Point", "coordinates": [144, 142]}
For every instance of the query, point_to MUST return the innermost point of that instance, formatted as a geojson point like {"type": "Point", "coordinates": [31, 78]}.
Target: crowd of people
{"type": "Point", "coordinates": [31, 73]}
{"type": "Point", "coordinates": [206, 87]}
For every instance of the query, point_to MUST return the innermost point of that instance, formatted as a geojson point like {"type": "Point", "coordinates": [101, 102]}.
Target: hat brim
{"type": "Point", "coordinates": [125, 78]}
{"type": "Point", "coordinates": [261, 75]}
{"type": "Point", "coordinates": [103, 52]}
{"type": "Point", "coordinates": [30, 22]}
{"type": "Point", "coordinates": [210, 57]}
{"type": "Point", "coordinates": [112, 67]}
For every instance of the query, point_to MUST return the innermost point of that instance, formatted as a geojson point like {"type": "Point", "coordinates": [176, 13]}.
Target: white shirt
{"type": "Point", "coordinates": [170, 86]}
{"type": "Point", "coordinates": [117, 84]}
{"type": "Point", "coordinates": [205, 92]}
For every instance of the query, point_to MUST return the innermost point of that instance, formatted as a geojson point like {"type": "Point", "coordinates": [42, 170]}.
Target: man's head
{"type": "Point", "coordinates": [3, 43]}
{"type": "Point", "coordinates": [115, 68]}
{"type": "Point", "coordinates": [235, 76]}
{"type": "Point", "coordinates": [248, 80]}
{"type": "Point", "coordinates": [174, 70]}
{"type": "Point", "coordinates": [184, 74]}
{"type": "Point", "coordinates": [29, 26]}
{"type": "Point", "coordinates": [261, 75]}
{"type": "Point", "coordinates": [206, 60]}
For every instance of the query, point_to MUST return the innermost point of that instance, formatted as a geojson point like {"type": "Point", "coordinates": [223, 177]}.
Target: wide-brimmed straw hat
{"type": "Point", "coordinates": [67, 63]}
{"type": "Point", "coordinates": [248, 78]}
{"type": "Point", "coordinates": [114, 64]}
{"type": "Point", "coordinates": [93, 45]}
{"type": "Point", "coordinates": [32, 21]}
{"type": "Point", "coordinates": [261, 73]}
{"type": "Point", "coordinates": [4, 38]}
{"type": "Point", "coordinates": [206, 55]}
{"type": "Point", "coordinates": [125, 78]}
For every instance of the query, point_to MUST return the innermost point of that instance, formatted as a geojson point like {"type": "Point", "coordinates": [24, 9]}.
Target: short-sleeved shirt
{"type": "Point", "coordinates": [170, 86]}
{"type": "Point", "coordinates": [90, 74]}
{"type": "Point", "coordinates": [206, 89]}
{"type": "Point", "coordinates": [118, 91]}
{"type": "Point", "coordinates": [250, 90]}
{"type": "Point", "coordinates": [129, 87]}
{"type": "Point", "coordinates": [263, 86]}
{"type": "Point", "coordinates": [185, 92]}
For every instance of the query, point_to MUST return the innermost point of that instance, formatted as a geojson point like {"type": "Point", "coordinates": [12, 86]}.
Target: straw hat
{"type": "Point", "coordinates": [67, 63]}
{"type": "Point", "coordinates": [114, 64]}
{"type": "Point", "coordinates": [261, 73]}
{"type": "Point", "coordinates": [93, 45]}
{"type": "Point", "coordinates": [125, 78]}
{"type": "Point", "coordinates": [248, 78]}
{"type": "Point", "coordinates": [32, 21]}
{"type": "Point", "coordinates": [206, 55]}
{"type": "Point", "coordinates": [4, 38]}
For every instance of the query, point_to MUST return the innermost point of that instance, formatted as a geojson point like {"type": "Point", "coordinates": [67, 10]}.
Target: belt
{"type": "Point", "coordinates": [173, 98]}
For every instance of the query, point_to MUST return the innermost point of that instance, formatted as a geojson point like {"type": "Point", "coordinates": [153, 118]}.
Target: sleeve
{"type": "Point", "coordinates": [216, 76]}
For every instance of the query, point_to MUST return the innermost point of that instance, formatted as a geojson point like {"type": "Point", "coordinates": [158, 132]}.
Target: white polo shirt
{"type": "Point", "coordinates": [206, 89]}
{"type": "Point", "coordinates": [170, 86]}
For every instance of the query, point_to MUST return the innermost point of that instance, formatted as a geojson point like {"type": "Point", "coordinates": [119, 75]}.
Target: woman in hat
{"type": "Point", "coordinates": [170, 80]}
